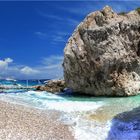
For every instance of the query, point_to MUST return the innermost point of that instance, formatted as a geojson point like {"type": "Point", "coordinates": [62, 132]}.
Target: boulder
{"type": "Point", "coordinates": [54, 86]}
{"type": "Point", "coordinates": [102, 57]}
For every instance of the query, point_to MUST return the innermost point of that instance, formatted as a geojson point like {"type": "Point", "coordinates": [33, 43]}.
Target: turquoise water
{"type": "Point", "coordinates": [22, 82]}
{"type": "Point", "coordinates": [89, 117]}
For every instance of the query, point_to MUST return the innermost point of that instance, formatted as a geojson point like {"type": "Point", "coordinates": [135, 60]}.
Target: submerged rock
{"type": "Point", "coordinates": [54, 86]}
{"type": "Point", "coordinates": [102, 57]}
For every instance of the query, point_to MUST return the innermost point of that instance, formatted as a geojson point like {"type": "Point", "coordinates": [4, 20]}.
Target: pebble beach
{"type": "Point", "coordinates": [19, 122]}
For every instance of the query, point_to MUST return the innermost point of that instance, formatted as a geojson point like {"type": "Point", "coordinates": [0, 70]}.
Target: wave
{"type": "Point", "coordinates": [45, 100]}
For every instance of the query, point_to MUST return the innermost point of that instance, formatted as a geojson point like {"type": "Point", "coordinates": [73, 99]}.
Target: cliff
{"type": "Point", "coordinates": [102, 57]}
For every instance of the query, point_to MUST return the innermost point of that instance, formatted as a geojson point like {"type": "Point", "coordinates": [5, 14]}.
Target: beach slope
{"type": "Point", "coordinates": [22, 123]}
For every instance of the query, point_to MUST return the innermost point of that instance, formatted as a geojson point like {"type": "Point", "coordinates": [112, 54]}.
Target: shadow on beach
{"type": "Point", "coordinates": [125, 126]}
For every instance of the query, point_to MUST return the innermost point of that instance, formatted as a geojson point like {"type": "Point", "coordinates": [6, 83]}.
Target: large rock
{"type": "Point", "coordinates": [102, 57]}
{"type": "Point", "coordinates": [54, 86]}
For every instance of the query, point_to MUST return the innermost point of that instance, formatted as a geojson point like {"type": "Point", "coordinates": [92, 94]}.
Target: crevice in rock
{"type": "Point", "coordinates": [138, 51]}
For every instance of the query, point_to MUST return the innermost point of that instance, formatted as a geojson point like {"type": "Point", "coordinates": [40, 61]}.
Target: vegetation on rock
{"type": "Point", "coordinates": [138, 10]}
{"type": "Point", "coordinates": [122, 13]}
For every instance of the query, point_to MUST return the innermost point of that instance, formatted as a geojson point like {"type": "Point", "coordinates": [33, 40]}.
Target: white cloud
{"type": "Point", "coordinates": [46, 15]}
{"type": "Point", "coordinates": [8, 60]}
{"type": "Point", "coordinates": [28, 71]}
{"type": "Point", "coordinates": [53, 59]}
{"type": "Point", "coordinates": [56, 39]}
{"type": "Point", "coordinates": [4, 63]}
{"type": "Point", "coordinates": [77, 10]}
{"type": "Point", "coordinates": [41, 35]}
{"type": "Point", "coordinates": [68, 20]}
{"type": "Point", "coordinates": [50, 67]}
{"type": "Point", "coordinates": [55, 66]}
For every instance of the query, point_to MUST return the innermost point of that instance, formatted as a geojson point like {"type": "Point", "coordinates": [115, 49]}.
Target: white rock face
{"type": "Point", "coordinates": [102, 57]}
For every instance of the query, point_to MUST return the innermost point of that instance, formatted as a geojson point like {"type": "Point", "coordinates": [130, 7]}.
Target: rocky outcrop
{"type": "Point", "coordinates": [54, 86]}
{"type": "Point", "coordinates": [102, 57]}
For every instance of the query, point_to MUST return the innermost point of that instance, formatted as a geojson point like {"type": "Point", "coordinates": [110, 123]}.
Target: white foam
{"type": "Point", "coordinates": [50, 101]}
{"type": "Point", "coordinates": [85, 129]}
{"type": "Point", "coordinates": [71, 106]}
{"type": "Point", "coordinates": [91, 130]}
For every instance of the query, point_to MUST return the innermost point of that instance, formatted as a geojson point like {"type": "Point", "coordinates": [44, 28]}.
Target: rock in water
{"type": "Point", "coordinates": [54, 86]}
{"type": "Point", "coordinates": [102, 57]}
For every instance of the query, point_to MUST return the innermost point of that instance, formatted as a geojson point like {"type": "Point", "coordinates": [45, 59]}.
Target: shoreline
{"type": "Point", "coordinates": [22, 122]}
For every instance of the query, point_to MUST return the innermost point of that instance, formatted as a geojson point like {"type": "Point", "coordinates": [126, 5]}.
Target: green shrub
{"type": "Point", "coordinates": [122, 13]}
{"type": "Point", "coordinates": [138, 10]}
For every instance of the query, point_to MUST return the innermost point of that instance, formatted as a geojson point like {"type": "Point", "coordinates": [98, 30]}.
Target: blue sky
{"type": "Point", "coordinates": [33, 34]}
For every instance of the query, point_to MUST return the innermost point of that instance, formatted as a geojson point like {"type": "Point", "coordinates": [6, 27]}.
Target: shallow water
{"type": "Point", "coordinates": [90, 117]}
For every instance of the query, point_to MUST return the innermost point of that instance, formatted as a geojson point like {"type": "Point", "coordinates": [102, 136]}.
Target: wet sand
{"type": "Point", "coordinates": [22, 123]}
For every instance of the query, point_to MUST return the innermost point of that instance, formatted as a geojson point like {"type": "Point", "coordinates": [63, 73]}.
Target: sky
{"type": "Point", "coordinates": [33, 34]}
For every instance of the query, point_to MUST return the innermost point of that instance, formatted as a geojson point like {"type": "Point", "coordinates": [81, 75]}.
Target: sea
{"type": "Point", "coordinates": [89, 118]}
